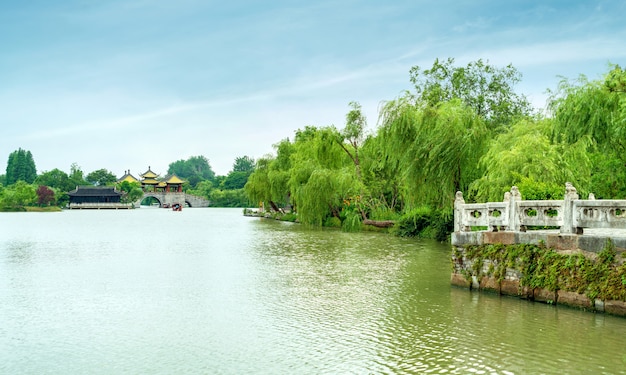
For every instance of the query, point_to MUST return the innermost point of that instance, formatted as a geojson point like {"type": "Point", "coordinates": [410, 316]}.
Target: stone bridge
{"type": "Point", "coordinates": [170, 198]}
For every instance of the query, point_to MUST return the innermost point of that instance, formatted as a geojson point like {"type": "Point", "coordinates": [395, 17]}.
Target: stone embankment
{"type": "Point", "coordinates": [578, 261]}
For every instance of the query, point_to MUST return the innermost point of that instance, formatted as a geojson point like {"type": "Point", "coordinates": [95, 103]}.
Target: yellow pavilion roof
{"type": "Point", "coordinates": [149, 174]}
{"type": "Point", "coordinates": [149, 181]}
{"type": "Point", "coordinates": [173, 179]}
{"type": "Point", "coordinates": [127, 177]}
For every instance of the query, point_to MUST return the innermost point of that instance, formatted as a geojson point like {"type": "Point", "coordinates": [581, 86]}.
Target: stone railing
{"type": "Point", "coordinates": [571, 215]}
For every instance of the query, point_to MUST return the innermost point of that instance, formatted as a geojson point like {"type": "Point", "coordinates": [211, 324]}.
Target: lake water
{"type": "Point", "coordinates": [209, 291]}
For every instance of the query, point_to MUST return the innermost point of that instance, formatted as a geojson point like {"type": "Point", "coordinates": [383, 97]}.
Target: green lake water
{"type": "Point", "coordinates": [209, 291]}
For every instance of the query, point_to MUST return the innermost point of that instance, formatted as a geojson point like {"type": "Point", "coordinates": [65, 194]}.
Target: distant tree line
{"type": "Point", "coordinates": [21, 186]}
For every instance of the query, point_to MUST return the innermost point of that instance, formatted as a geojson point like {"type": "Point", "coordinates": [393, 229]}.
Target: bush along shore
{"type": "Point", "coordinates": [276, 215]}
{"type": "Point", "coordinates": [419, 223]}
{"type": "Point", "coordinates": [591, 281]}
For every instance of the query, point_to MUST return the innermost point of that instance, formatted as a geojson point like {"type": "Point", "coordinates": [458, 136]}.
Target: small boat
{"type": "Point", "coordinates": [177, 207]}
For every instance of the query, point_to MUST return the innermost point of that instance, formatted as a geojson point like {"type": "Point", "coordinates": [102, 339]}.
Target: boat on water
{"type": "Point", "coordinates": [177, 207]}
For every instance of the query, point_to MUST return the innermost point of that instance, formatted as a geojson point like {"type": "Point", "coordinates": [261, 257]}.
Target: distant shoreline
{"type": "Point", "coordinates": [31, 209]}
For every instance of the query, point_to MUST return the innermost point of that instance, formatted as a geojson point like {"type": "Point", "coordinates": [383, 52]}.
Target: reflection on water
{"type": "Point", "coordinates": [210, 291]}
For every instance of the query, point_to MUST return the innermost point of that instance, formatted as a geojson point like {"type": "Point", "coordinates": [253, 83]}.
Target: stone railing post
{"type": "Point", "coordinates": [568, 210]}
{"type": "Point", "coordinates": [458, 212]}
{"type": "Point", "coordinates": [513, 197]}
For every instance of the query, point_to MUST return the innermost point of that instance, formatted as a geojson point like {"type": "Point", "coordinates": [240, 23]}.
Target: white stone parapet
{"type": "Point", "coordinates": [571, 215]}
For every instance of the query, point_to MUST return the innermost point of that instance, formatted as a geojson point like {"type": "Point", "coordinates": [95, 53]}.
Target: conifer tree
{"type": "Point", "coordinates": [20, 167]}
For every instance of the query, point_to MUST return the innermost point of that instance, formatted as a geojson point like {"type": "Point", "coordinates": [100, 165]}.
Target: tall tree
{"type": "Point", "coordinates": [592, 108]}
{"type": "Point", "coordinates": [258, 187]}
{"type": "Point", "coordinates": [76, 175]}
{"type": "Point", "coordinates": [194, 169]}
{"type": "Point", "coordinates": [524, 156]}
{"type": "Point", "coordinates": [101, 177]}
{"type": "Point", "coordinates": [354, 134]}
{"type": "Point", "coordinates": [20, 167]}
{"type": "Point", "coordinates": [56, 179]}
{"type": "Point", "coordinates": [487, 89]}
{"type": "Point", "coordinates": [243, 164]}
{"type": "Point", "coordinates": [238, 177]}
{"type": "Point", "coordinates": [437, 148]}
{"type": "Point", "coordinates": [595, 110]}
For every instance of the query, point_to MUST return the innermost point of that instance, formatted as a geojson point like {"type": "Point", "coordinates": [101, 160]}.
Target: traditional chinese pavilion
{"type": "Point", "coordinates": [94, 194]}
{"type": "Point", "coordinates": [128, 177]}
{"type": "Point", "coordinates": [151, 181]}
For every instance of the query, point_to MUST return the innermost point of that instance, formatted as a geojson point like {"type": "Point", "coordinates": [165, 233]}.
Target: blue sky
{"type": "Point", "coordinates": [136, 83]}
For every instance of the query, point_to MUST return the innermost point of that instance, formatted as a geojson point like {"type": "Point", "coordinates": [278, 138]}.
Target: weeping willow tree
{"type": "Point", "coordinates": [436, 148]}
{"type": "Point", "coordinates": [525, 156]}
{"type": "Point", "coordinates": [589, 108]}
{"type": "Point", "coordinates": [383, 179]}
{"type": "Point", "coordinates": [395, 136]}
{"type": "Point", "coordinates": [258, 185]}
{"type": "Point", "coordinates": [322, 176]}
{"type": "Point", "coordinates": [269, 183]}
{"type": "Point", "coordinates": [596, 110]}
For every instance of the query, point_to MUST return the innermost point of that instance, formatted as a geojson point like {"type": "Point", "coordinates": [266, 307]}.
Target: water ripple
{"type": "Point", "coordinates": [212, 292]}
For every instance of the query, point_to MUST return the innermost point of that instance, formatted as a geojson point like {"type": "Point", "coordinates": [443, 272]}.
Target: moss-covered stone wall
{"type": "Point", "coordinates": [593, 281]}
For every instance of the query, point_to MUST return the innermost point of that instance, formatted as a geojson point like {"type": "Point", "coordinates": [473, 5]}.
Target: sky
{"type": "Point", "coordinates": [131, 84]}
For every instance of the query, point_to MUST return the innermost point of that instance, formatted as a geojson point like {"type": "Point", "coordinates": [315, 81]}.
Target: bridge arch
{"type": "Point", "coordinates": [170, 198]}
{"type": "Point", "coordinates": [151, 197]}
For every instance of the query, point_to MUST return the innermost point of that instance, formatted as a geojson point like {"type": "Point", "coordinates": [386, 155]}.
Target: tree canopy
{"type": "Point", "coordinates": [101, 177]}
{"type": "Point", "coordinates": [487, 89]}
{"type": "Point", "coordinates": [243, 164]}
{"type": "Point", "coordinates": [20, 167]}
{"type": "Point", "coordinates": [194, 169]}
{"type": "Point", "coordinates": [463, 128]}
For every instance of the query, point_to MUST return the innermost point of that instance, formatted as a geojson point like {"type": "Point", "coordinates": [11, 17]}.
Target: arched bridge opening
{"type": "Point", "coordinates": [167, 199]}
{"type": "Point", "coordinates": [150, 200]}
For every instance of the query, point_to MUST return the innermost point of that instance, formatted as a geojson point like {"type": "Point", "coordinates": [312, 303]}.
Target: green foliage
{"type": "Point", "coordinates": [243, 164]}
{"type": "Point", "coordinates": [541, 267]}
{"type": "Point", "coordinates": [194, 169]}
{"type": "Point", "coordinates": [20, 194]}
{"type": "Point", "coordinates": [353, 133]}
{"type": "Point", "coordinates": [229, 198]}
{"type": "Point", "coordinates": [76, 176]}
{"type": "Point", "coordinates": [101, 177]}
{"type": "Point", "coordinates": [525, 155]}
{"type": "Point", "coordinates": [487, 89]}
{"type": "Point", "coordinates": [351, 222]}
{"type": "Point", "coordinates": [258, 187]}
{"type": "Point", "coordinates": [584, 108]}
{"type": "Point", "coordinates": [413, 223]}
{"type": "Point", "coordinates": [20, 167]}
{"type": "Point", "coordinates": [608, 176]}
{"type": "Point", "coordinates": [202, 189]}
{"type": "Point", "coordinates": [235, 180]}
{"type": "Point", "coordinates": [56, 179]}
{"type": "Point", "coordinates": [539, 190]}
{"type": "Point", "coordinates": [131, 191]}
{"type": "Point", "coordinates": [332, 222]}
{"type": "Point", "coordinates": [437, 149]}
